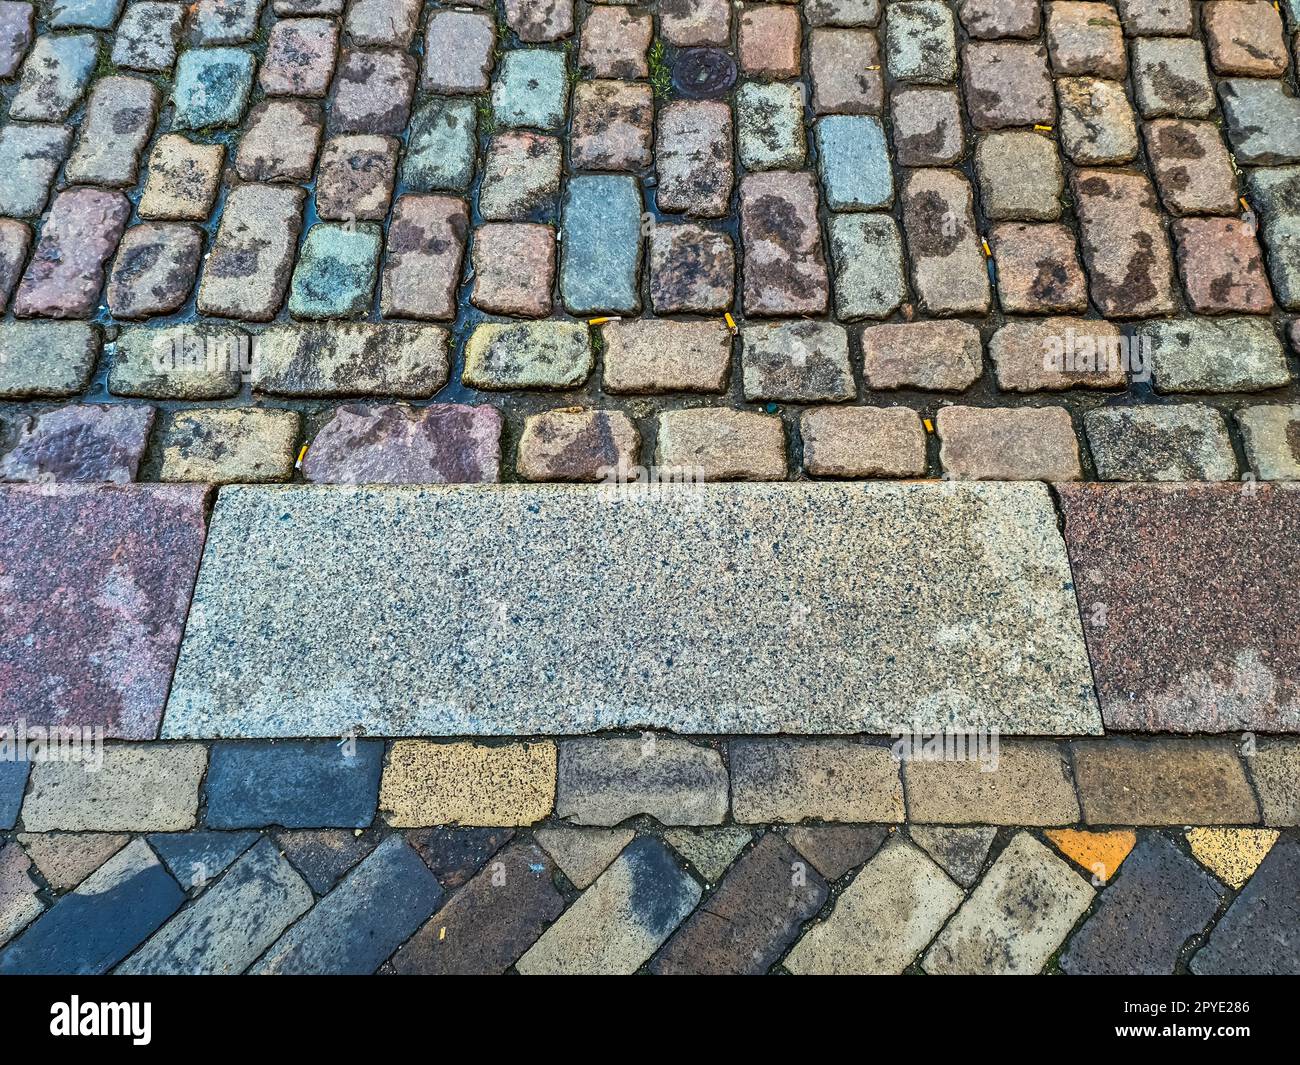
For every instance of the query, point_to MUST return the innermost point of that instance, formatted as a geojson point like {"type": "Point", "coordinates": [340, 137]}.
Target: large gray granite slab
{"type": "Point", "coordinates": [754, 608]}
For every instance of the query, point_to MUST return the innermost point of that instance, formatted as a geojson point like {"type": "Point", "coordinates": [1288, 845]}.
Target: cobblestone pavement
{"type": "Point", "coordinates": [314, 698]}
{"type": "Point", "coordinates": [988, 239]}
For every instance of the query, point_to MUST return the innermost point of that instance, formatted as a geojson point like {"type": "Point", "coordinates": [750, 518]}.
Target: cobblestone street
{"type": "Point", "coordinates": [533, 486]}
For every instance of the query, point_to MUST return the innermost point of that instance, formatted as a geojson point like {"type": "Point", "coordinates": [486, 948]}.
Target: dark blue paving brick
{"type": "Point", "coordinates": [91, 929]}
{"type": "Point", "coordinates": [1260, 933]}
{"type": "Point", "coordinates": [194, 858]}
{"type": "Point", "coordinates": [751, 920]}
{"type": "Point", "coordinates": [489, 922]}
{"type": "Point", "coordinates": [456, 854]}
{"type": "Point", "coordinates": [377, 907]}
{"type": "Point", "coordinates": [314, 784]}
{"type": "Point", "coordinates": [323, 855]}
{"type": "Point", "coordinates": [1160, 899]}
{"type": "Point", "coordinates": [13, 781]}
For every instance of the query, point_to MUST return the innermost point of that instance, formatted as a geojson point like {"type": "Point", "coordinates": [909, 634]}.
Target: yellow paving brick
{"type": "Point", "coordinates": [1231, 854]}
{"type": "Point", "coordinates": [1101, 853]}
{"type": "Point", "coordinates": [428, 783]}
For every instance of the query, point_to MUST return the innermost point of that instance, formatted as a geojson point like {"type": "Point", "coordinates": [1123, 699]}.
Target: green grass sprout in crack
{"type": "Point", "coordinates": [661, 75]}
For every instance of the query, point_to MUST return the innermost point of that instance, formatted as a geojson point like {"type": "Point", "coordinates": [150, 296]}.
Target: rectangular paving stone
{"type": "Point", "coordinates": [391, 443]}
{"type": "Point", "coordinates": [91, 929]}
{"type": "Point", "coordinates": [1130, 268]}
{"type": "Point", "coordinates": [826, 780]}
{"type": "Point", "coordinates": [489, 922]}
{"type": "Point", "coordinates": [355, 177]}
{"type": "Point", "coordinates": [216, 446]}
{"type": "Point", "coordinates": [882, 920]}
{"type": "Point", "coordinates": [54, 76]}
{"type": "Point", "coordinates": [428, 783]}
{"type": "Point", "coordinates": [1275, 193]}
{"type": "Point", "coordinates": [750, 920]}
{"type": "Point", "coordinates": [943, 356]}
{"type": "Point", "coordinates": [1270, 434]}
{"type": "Point", "coordinates": [148, 35]}
{"type": "Point", "coordinates": [13, 782]}
{"type": "Point", "coordinates": [179, 362]}
{"type": "Point", "coordinates": [1191, 167]}
{"type": "Point", "coordinates": [1019, 175]}
{"type": "Point", "coordinates": [441, 146]}
{"type": "Point", "coordinates": [138, 788]}
{"type": "Point", "coordinates": [796, 362]}
{"type": "Point", "coordinates": [1008, 443]}
{"type": "Point", "coordinates": [294, 785]}
{"type": "Point", "coordinates": [17, 24]}
{"type": "Point", "coordinates": [1260, 933]}
{"type": "Point", "coordinates": [376, 908]}
{"type": "Point", "coordinates": [920, 41]}
{"type": "Point", "coordinates": [521, 173]}
{"type": "Point", "coordinates": [1051, 354]}
{"type": "Point", "coordinates": [867, 253]}
{"type": "Point", "coordinates": [85, 442]}
{"type": "Point", "coordinates": [247, 271]}
{"type": "Point", "coordinates": [845, 68]}
{"type": "Point", "coordinates": [372, 92]}
{"type": "Point", "coordinates": [156, 266]}
{"type": "Point", "coordinates": [183, 178]}
{"type": "Point", "coordinates": [693, 158]}
{"type": "Point", "coordinates": [352, 359]}
{"type": "Point", "coordinates": [227, 929]}
{"type": "Point", "coordinates": [718, 444]}
{"type": "Point", "coordinates": [212, 87]}
{"type": "Point", "coordinates": [600, 256]}
{"type": "Point", "coordinates": [621, 920]}
{"type": "Point", "coordinates": [1161, 900]}
{"type": "Point", "coordinates": [66, 272]}
{"type": "Point", "coordinates": [424, 252]}
{"type": "Point", "coordinates": [224, 21]}
{"type": "Point", "coordinates": [862, 442]}
{"type": "Point", "coordinates": [653, 355]}
{"type": "Point", "coordinates": [458, 49]}
{"type": "Point", "coordinates": [853, 162]}
{"type": "Point", "coordinates": [382, 22]}
{"type": "Point", "coordinates": [46, 358]}
{"type": "Point", "coordinates": [114, 131]}
{"type": "Point", "coordinates": [1015, 918]}
{"type": "Point", "coordinates": [1167, 781]}
{"type": "Point", "coordinates": [91, 630]}
{"type": "Point", "coordinates": [1021, 783]}
{"type": "Point", "coordinates": [948, 268]}
{"type": "Point", "coordinates": [1275, 769]}
{"type": "Point", "coordinates": [1194, 588]}
{"type": "Point", "coordinates": [337, 269]}
{"type": "Point", "coordinates": [769, 125]}
{"type": "Point", "coordinates": [1171, 78]}
{"type": "Point", "coordinates": [554, 354]}
{"type": "Point", "coordinates": [33, 153]}
{"type": "Point", "coordinates": [603, 675]}
{"type": "Point", "coordinates": [1187, 355]}
{"type": "Point", "coordinates": [605, 780]}
{"type": "Point", "coordinates": [1186, 442]}
{"type": "Point", "coordinates": [785, 267]}
{"type": "Point", "coordinates": [531, 89]}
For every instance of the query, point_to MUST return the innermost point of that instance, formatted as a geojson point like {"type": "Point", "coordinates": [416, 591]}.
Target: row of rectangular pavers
{"type": "Point", "coordinates": [606, 780]}
{"type": "Point", "coordinates": [637, 898]}
{"type": "Point", "coordinates": [800, 362]}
